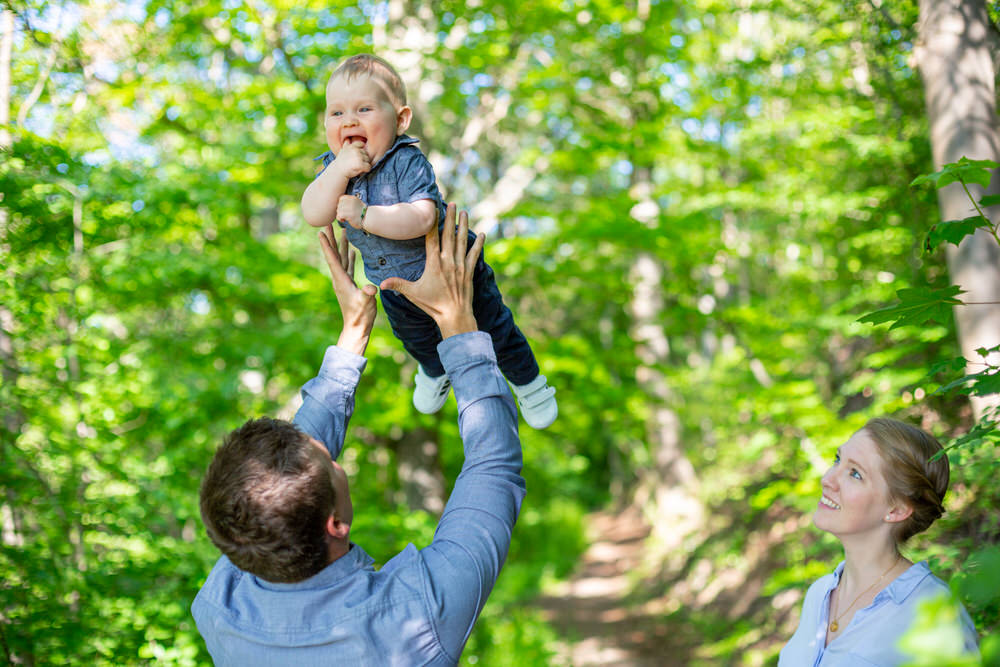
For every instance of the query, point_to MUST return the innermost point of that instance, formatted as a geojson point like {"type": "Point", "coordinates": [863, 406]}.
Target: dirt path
{"type": "Point", "coordinates": [591, 610]}
{"type": "Point", "coordinates": [615, 612]}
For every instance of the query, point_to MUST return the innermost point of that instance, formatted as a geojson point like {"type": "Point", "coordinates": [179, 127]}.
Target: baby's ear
{"type": "Point", "coordinates": [403, 118]}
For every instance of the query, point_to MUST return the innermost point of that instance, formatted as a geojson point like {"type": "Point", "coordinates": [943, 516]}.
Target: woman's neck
{"type": "Point", "coordinates": [866, 562]}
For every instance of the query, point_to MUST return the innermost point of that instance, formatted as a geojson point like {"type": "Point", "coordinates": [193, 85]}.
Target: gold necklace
{"type": "Point", "coordinates": [834, 624]}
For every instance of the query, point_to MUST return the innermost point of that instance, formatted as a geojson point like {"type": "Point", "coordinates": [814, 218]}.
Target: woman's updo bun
{"type": "Point", "coordinates": [912, 476]}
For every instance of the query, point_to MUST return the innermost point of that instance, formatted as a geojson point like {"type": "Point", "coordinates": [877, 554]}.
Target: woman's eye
{"type": "Point", "coordinates": [855, 474]}
{"type": "Point", "coordinates": [836, 458]}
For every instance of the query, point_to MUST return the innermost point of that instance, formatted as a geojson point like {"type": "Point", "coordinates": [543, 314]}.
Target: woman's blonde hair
{"type": "Point", "coordinates": [913, 477]}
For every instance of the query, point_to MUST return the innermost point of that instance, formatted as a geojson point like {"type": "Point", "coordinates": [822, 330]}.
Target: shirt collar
{"type": "Point", "coordinates": [899, 588]}
{"type": "Point", "coordinates": [355, 559]}
{"type": "Point", "coordinates": [401, 140]}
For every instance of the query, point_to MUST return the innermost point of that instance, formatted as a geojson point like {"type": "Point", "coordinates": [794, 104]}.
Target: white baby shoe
{"type": "Point", "coordinates": [429, 394]}
{"type": "Point", "coordinates": [537, 402]}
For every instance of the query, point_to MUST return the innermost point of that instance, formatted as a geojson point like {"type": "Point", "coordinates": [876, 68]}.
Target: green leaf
{"type": "Point", "coordinates": [935, 637]}
{"type": "Point", "coordinates": [965, 171]}
{"type": "Point", "coordinates": [983, 431]}
{"type": "Point", "coordinates": [989, 200]}
{"type": "Point", "coordinates": [950, 366]}
{"type": "Point", "coordinates": [986, 383]}
{"type": "Point", "coordinates": [985, 352]}
{"type": "Point", "coordinates": [953, 231]}
{"type": "Point", "coordinates": [917, 306]}
{"type": "Point", "coordinates": [980, 582]}
{"type": "Point", "coordinates": [982, 383]}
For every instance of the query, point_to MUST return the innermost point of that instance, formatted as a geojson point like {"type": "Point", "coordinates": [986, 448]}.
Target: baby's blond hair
{"type": "Point", "coordinates": [371, 65]}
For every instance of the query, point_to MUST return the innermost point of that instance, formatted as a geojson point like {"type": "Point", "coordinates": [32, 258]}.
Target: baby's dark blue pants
{"type": "Point", "coordinates": [420, 334]}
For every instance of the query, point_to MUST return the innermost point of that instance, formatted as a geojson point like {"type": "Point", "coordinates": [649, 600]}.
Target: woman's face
{"type": "Point", "coordinates": [855, 498]}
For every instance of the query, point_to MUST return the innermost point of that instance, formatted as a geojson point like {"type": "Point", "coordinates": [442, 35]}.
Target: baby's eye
{"type": "Point", "coordinates": [365, 109]}
{"type": "Point", "coordinates": [336, 113]}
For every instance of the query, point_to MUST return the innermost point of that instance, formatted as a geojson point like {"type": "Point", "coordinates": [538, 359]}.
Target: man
{"type": "Point", "coordinates": [291, 588]}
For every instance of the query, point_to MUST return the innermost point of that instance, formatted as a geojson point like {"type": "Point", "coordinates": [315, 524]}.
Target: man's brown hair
{"type": "Point", "coordinates": [377, 68]}
{"type": "Point", "coordinates": [265, 501]}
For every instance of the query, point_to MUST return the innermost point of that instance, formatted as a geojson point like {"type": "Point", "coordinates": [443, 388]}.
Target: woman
{"type": "Point", "coordinates": [882, 489]}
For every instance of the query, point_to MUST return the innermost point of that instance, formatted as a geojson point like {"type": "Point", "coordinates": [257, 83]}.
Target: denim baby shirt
{"type": "Point", "coordinates": [402, 175]}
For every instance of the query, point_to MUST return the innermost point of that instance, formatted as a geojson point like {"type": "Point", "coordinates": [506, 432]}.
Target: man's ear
{"type": "Point", "coordinates": [337, 528]}
{"type": "Point", "coordinates": [403, 118]}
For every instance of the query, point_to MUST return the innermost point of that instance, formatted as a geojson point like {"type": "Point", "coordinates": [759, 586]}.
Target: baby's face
{"type": "Point", "coordinates": [360, 110]}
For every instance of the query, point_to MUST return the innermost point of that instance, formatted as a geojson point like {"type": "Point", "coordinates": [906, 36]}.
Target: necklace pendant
{"type": "Point", "coordinates": [834, 626]}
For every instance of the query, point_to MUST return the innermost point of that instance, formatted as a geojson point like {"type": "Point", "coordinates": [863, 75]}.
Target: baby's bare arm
{"type": "Point", "coordinates": [319, 201]}
{"type": "Point", "coordinates": [401, 221]}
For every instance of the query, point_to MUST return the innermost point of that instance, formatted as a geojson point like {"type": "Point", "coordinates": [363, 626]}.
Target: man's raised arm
{"type": "Point", "coordinates": [473, 536]}
{"type": "Point", "coordinates": [328, 398]}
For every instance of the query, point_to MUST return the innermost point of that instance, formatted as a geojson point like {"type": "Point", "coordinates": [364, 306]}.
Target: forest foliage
{"type": "Point", "coordinates": [158, 287]}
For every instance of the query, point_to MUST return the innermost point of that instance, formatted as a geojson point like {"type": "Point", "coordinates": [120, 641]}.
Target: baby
{"type": "Point", "coordinates": [381, 189]}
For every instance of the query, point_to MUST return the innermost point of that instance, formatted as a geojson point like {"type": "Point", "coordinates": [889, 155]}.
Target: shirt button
{"type": "Point", "coordinates": [381, 261]}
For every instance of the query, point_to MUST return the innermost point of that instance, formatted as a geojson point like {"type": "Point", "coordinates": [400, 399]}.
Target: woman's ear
{"type": "Point", "coordinates": [898, 512]}
{"type": "Point", "coordinates": [403, 118]}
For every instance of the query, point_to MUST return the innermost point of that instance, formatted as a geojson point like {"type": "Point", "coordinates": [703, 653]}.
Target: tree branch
{"type": "Point", "coordinates": [36, 91]}
{"type": "Point", "coordinates": [880, 8]}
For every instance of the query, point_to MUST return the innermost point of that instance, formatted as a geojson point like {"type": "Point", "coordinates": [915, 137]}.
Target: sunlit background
{"type": "Point", "coordinates": [688, 204]}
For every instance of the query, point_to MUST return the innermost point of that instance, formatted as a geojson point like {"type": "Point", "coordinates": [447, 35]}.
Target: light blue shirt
{"type": "Point", "coordinates": [420, 607]}
{"type": "Point", "coordinates": [870, 638]}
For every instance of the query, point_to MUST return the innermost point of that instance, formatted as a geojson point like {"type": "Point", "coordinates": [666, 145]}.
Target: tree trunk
{"type": "Point", "coordinates": [668, 491]}
{"type": "Point", "coordinates": [955, 60]}
{"type": "Point", "coordinates": [6, 48]}
{"type": "Point", "coordinates": [419, 471]}
{"type": "Point", "coordinates": [12, 417]}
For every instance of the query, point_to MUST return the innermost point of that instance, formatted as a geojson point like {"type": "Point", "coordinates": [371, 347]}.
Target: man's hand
{"type": "Point", "coordinates": [353, 160]}
{"type": "Point", "coordinates": [356, 305]}
{"type": "Point", "coordinates": [349, 210]}
{"type": "Point", "coordinates": [444, 291]}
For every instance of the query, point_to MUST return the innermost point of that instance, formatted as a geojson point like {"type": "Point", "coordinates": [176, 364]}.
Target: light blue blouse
{"type": "Point", "coordinates": [870, 638]}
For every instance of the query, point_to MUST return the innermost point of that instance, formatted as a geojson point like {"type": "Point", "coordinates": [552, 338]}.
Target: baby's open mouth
{"type": "Point", "coordinates": [350, 140]}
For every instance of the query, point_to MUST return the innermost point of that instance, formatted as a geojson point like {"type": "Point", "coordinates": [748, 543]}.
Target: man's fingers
{"type": "Point", "coordinates": [327, 231]}
{"type": "Point", "coordinates": [331, 257]}
{"type": "Point", "coordinates": [448, 240]}
{"type": "Point", "coordinates": [473, 255]}
{"type": "Point", "coordinates": [432, 247]}
{"type": "Point", "coordinates": [397, 284]}
{"type": "Point", "coordinates": [346, 254]}
{"type": "Point", "coordinates": [461, 237]}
